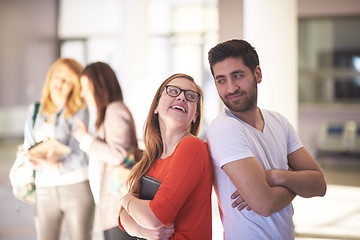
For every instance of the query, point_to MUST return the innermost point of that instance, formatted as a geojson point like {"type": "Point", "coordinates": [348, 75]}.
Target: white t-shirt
{"type": "Point", "coordinates": [230, 139]}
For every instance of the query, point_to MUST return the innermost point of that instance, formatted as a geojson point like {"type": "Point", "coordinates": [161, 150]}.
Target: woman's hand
{"type": "Point", "coordinates": [81, 130]}
{"type": "Point", "coordinates": [140, 211]}
{"type": "Point", "coordinates": [134, 229]}
{"type": "Point", "coordinates": [48, 160]}
{"type": "Point", "coordinates": [164, 233]}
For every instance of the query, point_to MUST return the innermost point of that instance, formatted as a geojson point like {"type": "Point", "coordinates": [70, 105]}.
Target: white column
{"type": "Point", "coordinates": [230, 19]}
{"type": "Point", "coordinates": [271, 27]}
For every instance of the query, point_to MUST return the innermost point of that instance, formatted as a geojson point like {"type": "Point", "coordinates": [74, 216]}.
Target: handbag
{"type": "Point", "coordinates": [22, 179]}
{"type": "Point", "coordinates": [119, 174]}
{"type": "Point", "coordinates": [22, 174]}
{"type": "Point", "coordinates": [117, 180]}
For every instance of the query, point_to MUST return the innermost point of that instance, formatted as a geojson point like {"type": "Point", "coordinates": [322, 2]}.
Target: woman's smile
{"type": "Point", "coordinates": [179, 108]}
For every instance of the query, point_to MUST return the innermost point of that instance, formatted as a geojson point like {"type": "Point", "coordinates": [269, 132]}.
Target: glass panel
{"type": "Point", "coordinates": [88, 18]}
{"type": "Point", "coordinates": [104, 49]}
{"type": "Point", "coordinates": [74, 49]}
{"type": "Point", "coordinates": [329, 53]}
{"type": "Point", "coordinates": [187, 55]}
{"type": "Point", "coordinates": [158, 12]}
{"type": "Point", "coordinates": [175, 36]}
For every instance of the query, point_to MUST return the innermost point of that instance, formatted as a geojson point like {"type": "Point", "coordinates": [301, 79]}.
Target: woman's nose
{"type": "Point", "coordinates": [181, 96]}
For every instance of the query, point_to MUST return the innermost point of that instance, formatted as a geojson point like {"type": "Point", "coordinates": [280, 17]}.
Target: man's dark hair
{"type": "Point", "coordinates": [234, 48]}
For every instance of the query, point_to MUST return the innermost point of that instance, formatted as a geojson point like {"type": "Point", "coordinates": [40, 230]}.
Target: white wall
{"type": "Point", "coordinates": [28, 46]}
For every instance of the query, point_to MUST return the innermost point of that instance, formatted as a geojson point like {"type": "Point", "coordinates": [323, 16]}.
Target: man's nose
{"type": "Point", "coordinates": [231, 87]}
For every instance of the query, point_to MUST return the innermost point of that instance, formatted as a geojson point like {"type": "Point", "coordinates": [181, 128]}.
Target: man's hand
{"type": "Point", "coordinates": [239, 202]}
{"type": "Point", "coordinates": [271, 177]}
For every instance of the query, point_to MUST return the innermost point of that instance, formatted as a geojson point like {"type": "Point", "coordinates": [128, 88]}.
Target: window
{"type": "Point", "coordinates": [144, 42]}
{"type": "Point", "coordinates": [329, 60]}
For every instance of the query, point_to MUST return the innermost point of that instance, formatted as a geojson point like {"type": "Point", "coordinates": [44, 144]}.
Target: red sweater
{"type": "Point", "coordinates": [184, 196]}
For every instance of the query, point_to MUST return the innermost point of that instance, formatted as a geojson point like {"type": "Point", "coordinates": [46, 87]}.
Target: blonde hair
{"type": "Point", "coordinates": [152, 135]}
{"type": "Point", "coordinates": [74, 102]}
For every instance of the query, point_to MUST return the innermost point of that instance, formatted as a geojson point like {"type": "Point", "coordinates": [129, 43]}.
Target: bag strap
{"type": "Point", "coordinates": [36, 110]}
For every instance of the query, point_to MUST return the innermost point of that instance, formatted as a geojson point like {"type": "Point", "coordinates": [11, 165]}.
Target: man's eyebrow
{"type": "Point", "coordinates": [237, 71]}
{"type": "Point", "coordinates": [232, 73]}
{"type": "Point", "coordinates": [219, 76]}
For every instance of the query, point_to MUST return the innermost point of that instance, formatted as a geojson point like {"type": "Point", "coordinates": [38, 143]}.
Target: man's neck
{"type": "Point", "coordinates": [253, 117]}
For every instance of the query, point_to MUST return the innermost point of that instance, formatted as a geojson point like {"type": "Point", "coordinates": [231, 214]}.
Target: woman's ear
{"type": "Point", "coordinates": [156, 111]}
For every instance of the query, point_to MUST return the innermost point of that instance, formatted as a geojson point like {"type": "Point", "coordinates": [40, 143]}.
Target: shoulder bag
{"type": "Point", "coordinates": [22, 173]}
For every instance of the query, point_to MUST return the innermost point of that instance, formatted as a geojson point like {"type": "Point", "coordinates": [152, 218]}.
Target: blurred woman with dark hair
{"type": "Point", "coordinates": [111, 135]}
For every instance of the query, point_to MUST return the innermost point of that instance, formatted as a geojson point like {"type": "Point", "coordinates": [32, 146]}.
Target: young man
{"type": "Point", "coordinates": [258, 158]}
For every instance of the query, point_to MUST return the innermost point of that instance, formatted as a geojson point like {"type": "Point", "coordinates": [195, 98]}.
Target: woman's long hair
{"type": "Point", "coordinates": [105, 85]}
{"type": "Point", "coordinates": [74, 102]}
{"type": "Point", "coordinates": [152, 135]}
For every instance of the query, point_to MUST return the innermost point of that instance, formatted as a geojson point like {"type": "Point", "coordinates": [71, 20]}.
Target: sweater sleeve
{"type": "Point", "coordinates": [118, 124]}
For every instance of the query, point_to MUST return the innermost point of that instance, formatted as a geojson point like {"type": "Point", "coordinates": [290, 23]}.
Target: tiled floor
{"type": "Point", "coordinates": [335, 216]}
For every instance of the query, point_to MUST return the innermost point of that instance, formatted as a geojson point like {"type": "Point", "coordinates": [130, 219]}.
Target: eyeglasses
{"type": "Point", "coordinates": [174, 91]}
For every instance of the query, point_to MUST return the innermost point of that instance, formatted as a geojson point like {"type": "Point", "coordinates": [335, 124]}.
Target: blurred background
{"type": "Point", "coordinates": [309, 54]}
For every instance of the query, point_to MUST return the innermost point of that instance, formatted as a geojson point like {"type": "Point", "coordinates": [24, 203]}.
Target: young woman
{"type": "Point", "coordinates": [181, 208]}
{"type": "Point", "coordinates": [62, 186]}
{"type": "Point", "coordinates": [110, 136]}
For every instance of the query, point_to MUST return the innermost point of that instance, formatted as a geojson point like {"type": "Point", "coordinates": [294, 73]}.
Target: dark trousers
{"type": "Point", "coordinates": [118, 234]}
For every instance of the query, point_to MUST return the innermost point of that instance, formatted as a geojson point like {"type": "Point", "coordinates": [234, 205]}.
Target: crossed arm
{"type": "Point", "coordinates": [250, 181]}
{"type": "Point", "coordinates": [140, 221]}
{"type": "Point", "coordinates": [306, 178]}
{"type": "Point", "coordinates": [266, 192]}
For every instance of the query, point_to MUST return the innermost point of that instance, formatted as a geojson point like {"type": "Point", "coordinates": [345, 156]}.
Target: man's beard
{"type": "Point", "coordinates": [246, 103]}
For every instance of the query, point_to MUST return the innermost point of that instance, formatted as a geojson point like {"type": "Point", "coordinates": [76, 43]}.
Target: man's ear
{"type": "Point", "coordinates": [258, 74]}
